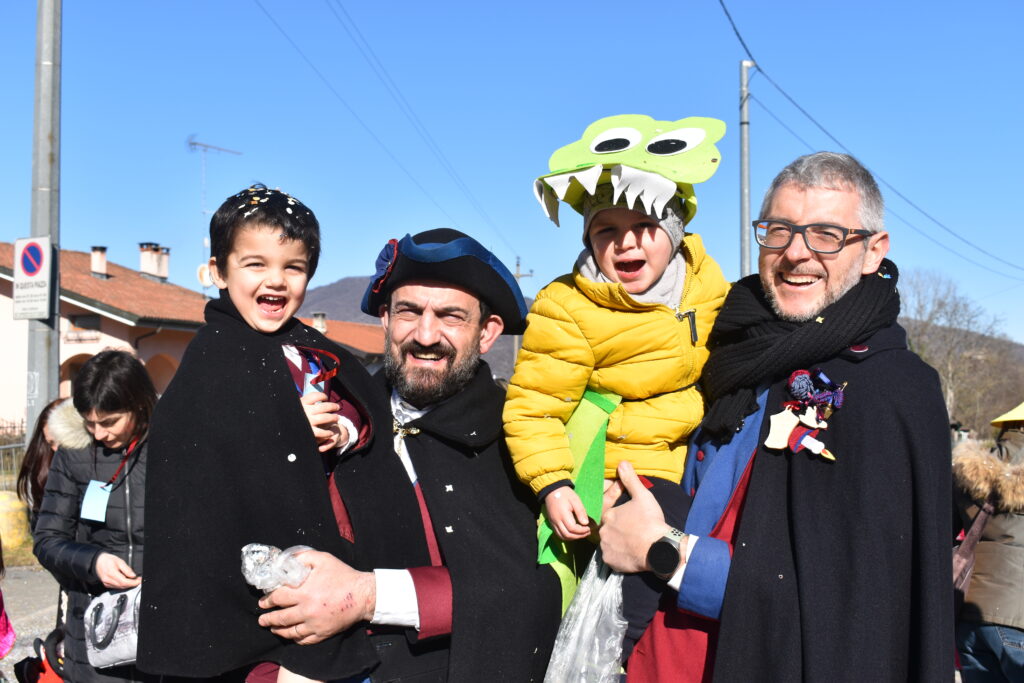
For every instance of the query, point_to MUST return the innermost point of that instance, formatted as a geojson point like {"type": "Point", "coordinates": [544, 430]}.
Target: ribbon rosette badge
{"type": "Point", "coordinates": [814, 398]}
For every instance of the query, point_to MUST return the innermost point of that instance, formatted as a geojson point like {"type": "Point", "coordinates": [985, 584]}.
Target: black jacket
{"type": "Point", "coordinates": [505, 608]}
{"type": "Point", "coordinates": [68, 546]}
{"type": "Point", "coordinates": [233, 461]}
{"type": "Point", "coordinates": [842, 570]}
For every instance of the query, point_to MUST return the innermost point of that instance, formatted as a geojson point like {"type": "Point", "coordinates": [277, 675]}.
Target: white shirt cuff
{"type": "Point", "coordinates": [677, 579]}
{"type": "Point", "coordinates": [396, 599]}
{"type": "Point", "coordinates": [353, 434]}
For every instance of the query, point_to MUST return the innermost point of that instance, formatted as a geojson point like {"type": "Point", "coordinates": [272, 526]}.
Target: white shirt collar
{"type": "Point", "coordinates": [403, 412]}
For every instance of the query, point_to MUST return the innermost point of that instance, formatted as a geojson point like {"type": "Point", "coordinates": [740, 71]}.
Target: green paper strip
{"type": "Point", "coordinates": [567, 577]}
{"type": "Point", "coordinates": [589, 479]}
{"type": "Point", "coordinates": [586, 430]}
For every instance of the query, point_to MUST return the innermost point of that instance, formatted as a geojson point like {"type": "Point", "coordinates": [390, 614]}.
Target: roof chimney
{"type": "Point", "coordinates": [320, 322]}
{"type": "Point", "coordinates": [98, 263]}
{"type": "Point", "coordinates": [164, 263]}
{"type": "Point", "coordinates": [149, 261]}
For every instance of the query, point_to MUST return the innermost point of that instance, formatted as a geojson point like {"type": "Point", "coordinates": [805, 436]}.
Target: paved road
{"type": "Point", "coordinates": [30, 597]}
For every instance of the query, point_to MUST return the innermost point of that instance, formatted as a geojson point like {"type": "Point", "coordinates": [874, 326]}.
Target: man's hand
{"type": "Point", "coordinates": [322, 416]}
{"type": "Point", "coordinates": [115, 573]}
{"type": "Point", "coordinates": [629, 530]}
{"type": "Point", "coordinates": [332, 598]}
{"type": "Point", "coordinates": [612, 492]}
{"type": "Point", "coordinates": [566, 513]}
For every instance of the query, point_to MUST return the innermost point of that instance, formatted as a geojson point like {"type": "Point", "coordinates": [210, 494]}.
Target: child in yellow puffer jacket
{"type": "Point", "coordinates": [632, 319]}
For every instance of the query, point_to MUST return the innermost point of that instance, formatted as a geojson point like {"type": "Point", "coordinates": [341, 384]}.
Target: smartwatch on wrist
{"type": "Point", "coordinates": [664, 554]}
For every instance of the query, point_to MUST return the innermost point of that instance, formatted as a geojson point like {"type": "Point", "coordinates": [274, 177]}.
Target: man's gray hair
{"type": "Point", "coordinates": [833, 171]}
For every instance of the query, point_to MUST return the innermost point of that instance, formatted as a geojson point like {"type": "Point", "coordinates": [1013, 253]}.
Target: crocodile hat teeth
{"type": "Point", "coordinates": [652, 189]}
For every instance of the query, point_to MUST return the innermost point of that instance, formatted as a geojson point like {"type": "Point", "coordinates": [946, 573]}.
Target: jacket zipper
{"type": "Point", "coordinates": [128, 517]}
{"type": "Point", "coordinates": [691, 313]}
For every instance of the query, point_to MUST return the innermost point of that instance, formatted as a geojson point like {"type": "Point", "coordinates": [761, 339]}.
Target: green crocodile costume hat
{"type": "Point", "coordinates": [643, 160]}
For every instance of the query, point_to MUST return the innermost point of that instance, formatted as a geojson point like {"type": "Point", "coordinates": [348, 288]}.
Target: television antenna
{"type": "Point", "coordinates": [193, 145]}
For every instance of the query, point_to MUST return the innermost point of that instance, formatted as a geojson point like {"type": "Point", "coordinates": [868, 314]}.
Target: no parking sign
{"type": "Point", "coordinates": [32, 278]}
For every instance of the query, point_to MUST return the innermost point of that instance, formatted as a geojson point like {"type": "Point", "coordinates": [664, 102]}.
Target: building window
{"type": "Point", "coordinates": [83, 329]}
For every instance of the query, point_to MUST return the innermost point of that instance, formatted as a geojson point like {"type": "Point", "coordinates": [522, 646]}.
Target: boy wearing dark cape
{"type": "Point", "coordinates": [234, 459]}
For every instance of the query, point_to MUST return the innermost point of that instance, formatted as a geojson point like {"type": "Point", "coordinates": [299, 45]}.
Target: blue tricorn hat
{"type": "Point", "coordinates": [446, 255]}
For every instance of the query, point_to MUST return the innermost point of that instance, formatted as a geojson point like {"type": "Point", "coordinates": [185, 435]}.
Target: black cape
{"type": "Point", "coordinates": [232, 460]}
{"type": "Point", "coordinates": [842, 571]}
{"type": "Point", "coordinates": [506, 608]}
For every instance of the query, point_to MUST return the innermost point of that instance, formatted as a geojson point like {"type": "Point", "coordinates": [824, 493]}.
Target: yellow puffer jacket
{"type": "Point", "coordinates": [584, 334]}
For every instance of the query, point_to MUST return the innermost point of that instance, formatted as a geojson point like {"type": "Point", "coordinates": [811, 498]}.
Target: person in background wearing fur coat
{"type": "Point", "coordinates": [990, 629]}
{"type": "Point", "coordinates": [90, 536]}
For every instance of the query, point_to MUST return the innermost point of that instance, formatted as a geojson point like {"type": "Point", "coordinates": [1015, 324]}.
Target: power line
{"type": "Point", "coordinates": [780, 122]}
{"type": "Point", "coordinates": [735, 30]}
{"type": "Point", "coordinates": [352, 111]}
{"type": "Point", "coordinates": [889, 209]}
{"type": "Point", "coordinates": [882, 180]}
{"type": "Point", "coordinates": [366, 49]}
{"type": "Point", "coordinates": [951, 249]}
{"type": "Point", "coordinates": [1001, 291]}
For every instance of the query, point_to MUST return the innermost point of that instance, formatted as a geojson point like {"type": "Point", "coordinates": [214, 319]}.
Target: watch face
{"type": "Point", "coordinates": [663, 557]}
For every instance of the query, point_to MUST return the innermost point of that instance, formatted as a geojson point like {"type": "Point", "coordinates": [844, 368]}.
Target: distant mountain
{"type": "Point", "coordinates": [340, 301]}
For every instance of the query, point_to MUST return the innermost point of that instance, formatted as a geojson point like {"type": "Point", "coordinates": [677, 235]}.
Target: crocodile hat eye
{"type": "Point", "coordinates": [615, 140]}
{"type": "Point", "coordinates": [676, 141]}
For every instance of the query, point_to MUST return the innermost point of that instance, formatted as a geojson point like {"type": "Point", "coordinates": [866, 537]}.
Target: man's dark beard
{"type": "Point", "coordinates": [421, 387]}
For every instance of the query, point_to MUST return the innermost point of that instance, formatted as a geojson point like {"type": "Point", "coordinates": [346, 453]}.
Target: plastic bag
{"type": "Point", "coordinates": [589, 643]}
{"type": "Point", "coordinates": [267, 567]}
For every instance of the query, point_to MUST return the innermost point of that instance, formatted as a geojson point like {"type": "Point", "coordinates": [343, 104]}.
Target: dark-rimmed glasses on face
{"type": "Point", "coordinates": [819, 237]}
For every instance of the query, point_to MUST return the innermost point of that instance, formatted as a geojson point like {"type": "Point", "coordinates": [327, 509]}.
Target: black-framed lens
{"type": "Point", "coordinates": [818, 237]}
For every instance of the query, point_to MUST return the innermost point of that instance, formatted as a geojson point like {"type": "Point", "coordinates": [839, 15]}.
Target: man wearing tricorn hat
{"type": "Point", "coordinates": [446, 536]}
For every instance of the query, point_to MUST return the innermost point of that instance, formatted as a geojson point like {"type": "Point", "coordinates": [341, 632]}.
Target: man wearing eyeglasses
{"type": "Point", "coordinates": [817, 543]}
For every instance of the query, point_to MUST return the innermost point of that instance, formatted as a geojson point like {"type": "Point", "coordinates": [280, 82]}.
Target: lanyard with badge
{"type": "Point", "coordinates": [94, 504]}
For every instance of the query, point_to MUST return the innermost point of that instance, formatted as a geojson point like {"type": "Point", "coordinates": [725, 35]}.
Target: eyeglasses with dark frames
{"type": "Point", "coordinates": [819, 237]}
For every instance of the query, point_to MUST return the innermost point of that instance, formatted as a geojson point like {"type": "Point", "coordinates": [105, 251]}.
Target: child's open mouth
{"type": "Point", "coordinates": [271, 304]}
{"type": "Point", "coordinates": [629, 267]}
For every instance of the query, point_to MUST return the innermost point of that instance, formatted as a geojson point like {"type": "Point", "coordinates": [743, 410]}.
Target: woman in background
{"type": "Point", "coordinates": [89, 530]}
{"type": "Point", "coordinates": [35, 466]}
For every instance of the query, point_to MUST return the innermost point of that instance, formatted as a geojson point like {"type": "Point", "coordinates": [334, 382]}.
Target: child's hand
{"type": "Point", "coordinates": [322, 419]}
{"type": "Point", "coordinates": [342, 435]}
{"type": "Point", "coordinates": [337, 435]}
{"type": "Point", "coordinates": [566, 513]}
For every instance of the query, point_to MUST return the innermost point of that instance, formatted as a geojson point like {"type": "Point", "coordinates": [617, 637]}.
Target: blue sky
{"type": "Point", "coordinates": [926, 94]}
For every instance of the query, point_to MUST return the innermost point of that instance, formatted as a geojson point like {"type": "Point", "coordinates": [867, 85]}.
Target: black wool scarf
{"type": "Point", "coordinates": [750, 346]}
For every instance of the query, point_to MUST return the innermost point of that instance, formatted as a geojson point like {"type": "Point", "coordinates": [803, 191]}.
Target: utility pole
{"type": "Point", "coordinates": [518, 275]}
{"type": "Point", "coordinates": [745, 66]}
{"type": "Point", "coordinates": [203, 148]}
{"type": "Point", "coordinates": [44, 335]}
